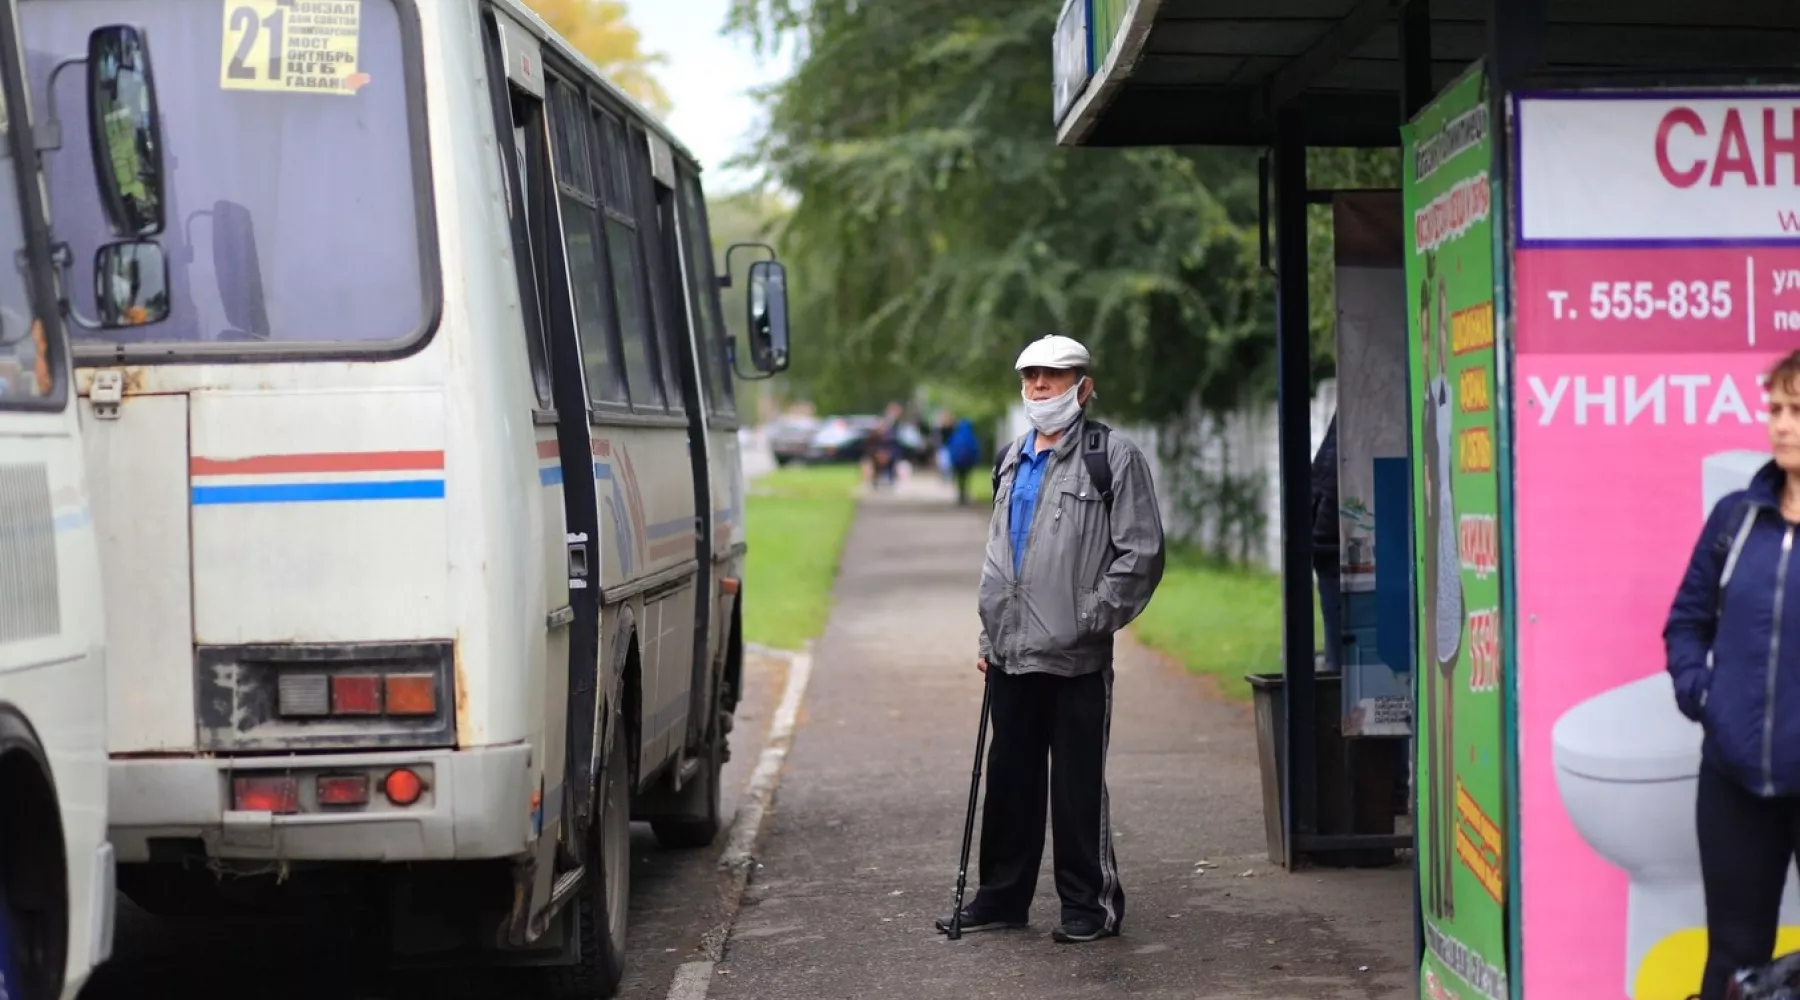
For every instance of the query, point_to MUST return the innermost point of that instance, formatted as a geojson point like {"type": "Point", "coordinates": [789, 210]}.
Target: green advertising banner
{"type": "Point", "coordinates": [1461, 736]}
{"type": "Point", "coordinates": [1106, 18]}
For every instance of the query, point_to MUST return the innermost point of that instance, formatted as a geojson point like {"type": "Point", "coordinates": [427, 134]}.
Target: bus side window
{"type": "Point", "coordinates": [664, 271]}
{"type": "Point", "coordinates": [710, 331]}
{"type": "Point", "coordinates": [513, 112]}
{"type": "Point", "coordinates": [578, 196]}
{"type": "Point", "coordinates": [625, 254]}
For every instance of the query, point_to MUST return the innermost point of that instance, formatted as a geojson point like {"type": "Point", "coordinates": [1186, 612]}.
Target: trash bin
{"type": "Point", "coordinates": [1271, 740]}
{"type": "Point", "coordinates": [1349, 797]}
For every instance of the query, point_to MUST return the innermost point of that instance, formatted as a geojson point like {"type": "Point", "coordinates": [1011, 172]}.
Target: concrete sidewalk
{"type": "Point", "coordinates": [860, 853]}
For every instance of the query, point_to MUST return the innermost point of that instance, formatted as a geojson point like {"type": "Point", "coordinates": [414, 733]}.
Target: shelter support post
{"type": "Point", "coordinates": [1293, 351]}
{"type": "Point", "coordinates": [1416, 91]}
{"type": "Point", "coordinates": [1415, 58]}
{"type": "Point", "coordinates": [1517, 32]}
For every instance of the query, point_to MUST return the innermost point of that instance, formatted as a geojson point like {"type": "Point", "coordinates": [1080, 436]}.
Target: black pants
{"type": "Point", "coordinates": [1066, 720]}
{"type": "Point", "coordinates": [1746, 845]}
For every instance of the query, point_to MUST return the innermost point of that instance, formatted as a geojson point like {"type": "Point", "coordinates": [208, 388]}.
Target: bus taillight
{"type": "Point", "coordinates": [278, 794]}
{"type": "Point", "coordinates": [412, 694]}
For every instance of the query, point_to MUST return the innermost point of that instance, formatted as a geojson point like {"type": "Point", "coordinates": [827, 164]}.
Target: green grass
{"type": "Point", "coordinates": [796, 523]}
{"type": "Point", "coordinates": [1219, 621]}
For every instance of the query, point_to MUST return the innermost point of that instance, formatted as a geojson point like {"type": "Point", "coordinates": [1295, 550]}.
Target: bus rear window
{"type": "Point", "coordinates": [292, 220]}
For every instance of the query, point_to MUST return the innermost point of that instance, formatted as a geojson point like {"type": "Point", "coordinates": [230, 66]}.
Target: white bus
{"type": "Point", "coordinates": [56, 867]}
{"type": "Point", "coordinates": [421, 515]}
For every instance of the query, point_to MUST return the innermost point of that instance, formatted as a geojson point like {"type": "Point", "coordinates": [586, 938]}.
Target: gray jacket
{"type": "Point", "coordinates": [1082, 579]}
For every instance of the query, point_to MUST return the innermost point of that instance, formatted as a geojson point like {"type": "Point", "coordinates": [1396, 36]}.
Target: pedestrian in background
{"type": "Point", "coordinates": [963, 450]}
{"type": "Point", "coordinates": [1074, 552]}
{"type": "Point", "coordinates": [1326, 545]}
{"type": "Point", "coordinates": [942, 428]}
{"type": "Point", "coordinates": [884, 447]}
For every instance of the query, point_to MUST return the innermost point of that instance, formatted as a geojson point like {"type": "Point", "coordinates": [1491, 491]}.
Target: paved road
{"type": "Point", "coordinates": [676, 895]}
{"type": "Point", "coordinates": [861, 851]}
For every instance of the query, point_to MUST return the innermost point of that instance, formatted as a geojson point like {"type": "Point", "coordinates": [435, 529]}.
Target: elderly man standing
{"type": "Point", "coordinates": [1074, 552]}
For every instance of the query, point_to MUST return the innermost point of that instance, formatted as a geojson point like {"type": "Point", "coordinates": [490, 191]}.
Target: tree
{"type": "Point", "coordinates": [600, 31]}
{"type": "Point", "coordinates": [940, 227]}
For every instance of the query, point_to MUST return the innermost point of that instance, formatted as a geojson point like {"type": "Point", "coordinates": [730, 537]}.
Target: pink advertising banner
{"type": "Point", "coordinates": [1653, 287]}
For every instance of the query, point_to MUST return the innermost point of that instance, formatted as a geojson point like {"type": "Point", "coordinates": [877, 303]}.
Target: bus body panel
{"type": "Point", "coordinates": [646, 490]}
{"type": "Point", "coordinates": [332, 529]}
{"type": "Point", "coordinates": [52, 663]}
{"type": "Point", "coordinates": [138, 465]}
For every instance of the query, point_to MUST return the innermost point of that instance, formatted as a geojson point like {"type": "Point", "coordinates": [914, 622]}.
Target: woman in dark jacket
{"type": "Point", "coordinates": [1733, 640]}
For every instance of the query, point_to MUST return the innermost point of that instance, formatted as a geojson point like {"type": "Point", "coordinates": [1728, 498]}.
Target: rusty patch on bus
{"type": "Point", "coordinates": [465, 726]}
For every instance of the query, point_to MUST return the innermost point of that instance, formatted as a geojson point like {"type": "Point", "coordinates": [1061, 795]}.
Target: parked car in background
{"type": "Point", "coordinates": [841, 439]}
{"type": "Point", "coordinates": [846, 439]}
{"type": "Point", "coordinates": [789, 437]}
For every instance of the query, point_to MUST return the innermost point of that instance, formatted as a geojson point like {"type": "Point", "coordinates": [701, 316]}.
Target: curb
{"type": "Point", "coordinates": [692, 979]}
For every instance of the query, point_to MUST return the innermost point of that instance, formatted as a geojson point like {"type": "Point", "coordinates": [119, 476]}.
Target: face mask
{"type": "Point", "coordinates": [1053, 416]}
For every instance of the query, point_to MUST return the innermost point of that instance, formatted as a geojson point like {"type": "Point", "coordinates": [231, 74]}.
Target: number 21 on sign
{"type": "Point", "coordinates": [254, 43]}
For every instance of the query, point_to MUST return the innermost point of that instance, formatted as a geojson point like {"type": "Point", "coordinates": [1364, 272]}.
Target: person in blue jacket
{"type": "Point", "coordinates": [965, 455]}
{"type": "Point", "coordinates": [1733, 641]}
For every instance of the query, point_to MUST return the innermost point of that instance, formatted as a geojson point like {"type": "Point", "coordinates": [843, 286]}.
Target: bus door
{"type": "Point", "coordinates": [679, 338]}
{"type": "Point", "coordinates": [725, 507]}
{"type": "Point", "coordinates": [559, 420]}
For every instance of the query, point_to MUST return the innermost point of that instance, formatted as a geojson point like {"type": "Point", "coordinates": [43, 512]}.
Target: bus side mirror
{"type": "Point", "coordinates": [131, 284]}
{"type": "Point", "coordinates": [768, 317]}
{"type": "Point", "coordinates": [125, 130]}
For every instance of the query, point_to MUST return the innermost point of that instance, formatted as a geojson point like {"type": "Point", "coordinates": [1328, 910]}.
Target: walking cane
{"type": "Point", "coordinates": [962, 869]}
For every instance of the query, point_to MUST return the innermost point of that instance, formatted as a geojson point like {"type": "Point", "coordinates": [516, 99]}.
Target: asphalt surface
{"type": "Point", "coordinates": [860, 853]}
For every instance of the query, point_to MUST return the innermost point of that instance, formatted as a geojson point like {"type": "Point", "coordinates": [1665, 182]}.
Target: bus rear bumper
{"type": "Point", "coordinates": [472, 804]}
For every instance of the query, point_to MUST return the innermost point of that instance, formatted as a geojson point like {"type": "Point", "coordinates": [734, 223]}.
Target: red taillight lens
{"type": "Point", "coordinates": [278, 795]}
{"type": "Point", "coordinates": [356, 694]}
{"type": "Point", "coordinates": [412, 694]}
{"type": "Point", "coordinates": [344, 790]}
{"type": "Point", "coordinates": [403, 787]}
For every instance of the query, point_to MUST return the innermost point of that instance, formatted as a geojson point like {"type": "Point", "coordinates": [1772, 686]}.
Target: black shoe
{"type": "Point", "coordinates": [976, 920]}
{"type": "Point", "coordinates": [1080, 931]}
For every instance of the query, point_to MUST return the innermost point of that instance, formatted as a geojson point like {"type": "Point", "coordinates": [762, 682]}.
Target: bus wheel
{"type": "Point", "coordinates": [605, 899]}
{"type": "Point", "coordinates": [12, 977]}
{"type": "Point", "coordinates": [695, 814]}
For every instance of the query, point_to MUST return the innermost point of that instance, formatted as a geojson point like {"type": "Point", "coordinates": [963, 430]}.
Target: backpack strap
{"type": "Point", "coordinates": [1094, 437]}
{"type": "Point", "coordinates": [1737, 548]}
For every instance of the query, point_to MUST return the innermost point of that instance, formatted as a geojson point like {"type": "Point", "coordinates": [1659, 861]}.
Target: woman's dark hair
{"type": "Point", "coordinates": [1786, 374]}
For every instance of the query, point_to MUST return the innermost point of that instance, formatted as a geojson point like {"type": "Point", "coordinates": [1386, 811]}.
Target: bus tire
{"type": "Point", "coordinates": [695, 819]}
{"type": "Point", "coordinates": [604, 905]}
{"type": "Point", "coordinates": [12, 983]}
{"type": "Point", "coordinates": [34, 905]}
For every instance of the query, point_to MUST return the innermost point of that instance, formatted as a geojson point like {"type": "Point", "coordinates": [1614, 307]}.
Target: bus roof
{"type": "Point", "coordinates": [530, 20]}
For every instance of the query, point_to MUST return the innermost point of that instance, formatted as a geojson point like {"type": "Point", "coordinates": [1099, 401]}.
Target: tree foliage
{"type": "Point", "coordinates": [940, 227]}
{"type": "Point", "coordinates": [601, 31]}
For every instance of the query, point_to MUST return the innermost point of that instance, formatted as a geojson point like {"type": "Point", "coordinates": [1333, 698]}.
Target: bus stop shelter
{"type": "Point", "coordinates": [1598, 255]}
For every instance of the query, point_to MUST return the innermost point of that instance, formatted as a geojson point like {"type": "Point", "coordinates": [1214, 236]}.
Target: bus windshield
{"type": "Point", "coordinates": [27, 373]}
{"type": "Point", "coordinates": [292, 218]}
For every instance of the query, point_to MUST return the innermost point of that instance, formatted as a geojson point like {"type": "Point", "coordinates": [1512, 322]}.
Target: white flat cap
{"type": "Point", "coordinates": [1053, 351]}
